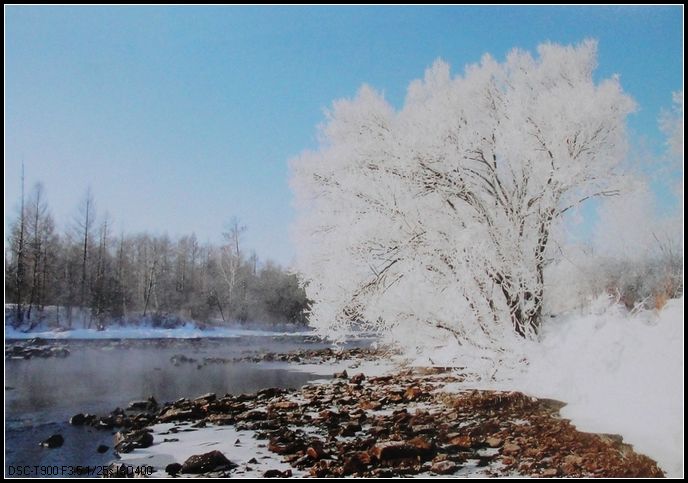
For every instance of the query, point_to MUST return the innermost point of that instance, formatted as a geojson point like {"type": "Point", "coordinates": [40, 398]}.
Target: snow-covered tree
{"type": "Point", "coordinates": [435, 220]}
{"type": "Point", "coordinates": [672, 125]}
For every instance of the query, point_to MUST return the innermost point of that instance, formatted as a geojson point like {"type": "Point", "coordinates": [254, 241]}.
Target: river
{"type": "Point", "coordinates": [41, 394]}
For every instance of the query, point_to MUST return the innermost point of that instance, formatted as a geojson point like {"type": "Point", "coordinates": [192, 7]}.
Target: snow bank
{"type": "Point", "coordinates": [618, 373]}
{"type": "Point", "coordinates": [188, 331]}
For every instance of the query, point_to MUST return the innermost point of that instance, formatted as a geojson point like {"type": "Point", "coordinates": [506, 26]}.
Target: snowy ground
{"type": "Point", "coordinates": [238, 446]}
{"type": "Point", "coordinates": [618, 373]}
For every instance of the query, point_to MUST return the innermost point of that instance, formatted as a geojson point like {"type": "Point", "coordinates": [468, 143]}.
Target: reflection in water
{"type": "Point", "coordinates": [101, 375]}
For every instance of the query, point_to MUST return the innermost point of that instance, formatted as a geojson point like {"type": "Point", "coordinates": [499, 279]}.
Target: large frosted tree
{"type": "Point", "coordinates": [435, 220]}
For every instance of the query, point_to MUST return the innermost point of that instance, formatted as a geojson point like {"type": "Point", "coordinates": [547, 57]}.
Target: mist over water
{"type": "Point", "coordinates": [98, 376]}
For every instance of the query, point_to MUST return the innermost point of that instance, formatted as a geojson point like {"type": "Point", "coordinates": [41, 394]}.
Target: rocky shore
{"type": "Point", "coordinates": [356, 425]}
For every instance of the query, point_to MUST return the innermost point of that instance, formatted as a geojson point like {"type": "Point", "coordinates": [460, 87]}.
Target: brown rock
{"type": "Point", "coordinates": [370, 405]}
{"type": "Point", "coordinates": [253, 415]}
{"type": "Point", "coordinates": [352, 465]}
{"type": "Point", "coordinates": [413, 393]}
{"type": "Point", "coordinates": [493, 442]}
{"type": "Point", "coordinates": [221, 419]}
{"type": "Point", "coordinates": [550, 473]}
{"type": "Point", "coordinates": [358, 378]}
{"type": "Point", "coordinates": [394, 450]}
{"type": "Point", "coordinates": [316, 450]}
{"type": "Point", "coordinates": [444, 467]}
{"type": "Point", "coordinates": [176, 414]}
{"type": "Point", "coordinates": [425, 448]}
{"type": "Point", "coordinates": [462, 442]}
{"type": "Point", "coordinates": [284, 405]}
{"type": "Point", "coordinates": [281, 448]}
{"type": "Point", "coordinates": [511, 448]}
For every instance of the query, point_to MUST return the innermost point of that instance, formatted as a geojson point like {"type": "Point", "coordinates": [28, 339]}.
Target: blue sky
{"type": "Point", "coordinates": [181, 117]}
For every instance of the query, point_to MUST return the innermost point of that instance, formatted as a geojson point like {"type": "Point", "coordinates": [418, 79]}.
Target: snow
{"type": "Point", "coordinates": [188, 331]}
{"type": "Point", "coordinates": [203, 440]}
{"type": "Point", "coordinates": [617, 372]}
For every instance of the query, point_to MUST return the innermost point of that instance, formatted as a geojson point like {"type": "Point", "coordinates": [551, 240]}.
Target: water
{"type": "Point", "coordinates": [42, 394]}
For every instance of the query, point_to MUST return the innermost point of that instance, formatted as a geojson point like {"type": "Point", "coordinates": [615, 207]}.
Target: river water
{"type": "Point", "coordinates": [100, 375]}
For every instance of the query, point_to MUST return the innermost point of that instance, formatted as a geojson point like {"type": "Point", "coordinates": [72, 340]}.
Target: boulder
{"type": "Point", "coordinates": [207, 462]}
{"type": "Point", "coordinates": [173, 468]}
{"type": "Point", "coordinates": [55, 441]}
{"type": "Point", "coordinates": [78, 420]}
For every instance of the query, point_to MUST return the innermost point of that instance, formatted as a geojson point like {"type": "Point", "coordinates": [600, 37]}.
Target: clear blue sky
{"type": "Point", "coordinates": [181, 117]}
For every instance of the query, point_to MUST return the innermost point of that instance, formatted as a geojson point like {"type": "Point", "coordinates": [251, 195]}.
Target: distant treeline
{"type": "Point", "coordinates": [90, 269]}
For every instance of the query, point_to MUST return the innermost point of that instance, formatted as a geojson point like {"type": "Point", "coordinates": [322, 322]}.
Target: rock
{"type": "Point", "coordinates": [253, 461]}
{"type": "Point", "coordinates": [510, 448]}
{"type": "Point", "coordinates": [493, 442]}
{"type": "Point", "coordinates": [370, 405]}
{"type": "Point", "coordinates": [270, 392]}
{"type": "Point", "coordinates": [413, 393]}
{"type": "Point", "coordinates": [425, 448]}
{"type": "Point", "coordinates": [139, 405]}
{"type": "Point", "coordinates": [78, 420]}
{"type": "Point", "coordinates": [422, 428]}
{"type": "Point", "coordinates": [444, 467]}
{"type": "Point", "coordinates": [176, 414]}
{"type": "Point", "coordinates": [277, 474]}
{"type": "Point", "coordinates": [573, 459]}
{"type": "Point", "coordinates": [462, 442]}
{"type": "Point", "coordinates": [393, 450]}
{"type": "Point", "coordinates": [55, 441]}
{"type": "Point", "coordinates": [316, 451]}
{"type": "Point", "coordinates": [280, 447]}
{"type": "Point", "coordinates": [206, 398]}
{"type": "Point", "coordinates": [284, 405]}
{"type": "Point", "coordinates": [341, 375]}
{"type": "Point", "coordinates": [207, 462]}
{"type": "Point", "coordinates": [128, 442]}
{"type": "Point", "coordinates": [357, 379]}
{"type": "Point", "coordinates": [221, 419]}
{"type": "Point", "coordinates": [550, 473]}
{"type": "Point", "coordinates": [253, 415]}
{"type": "Point", "coordinates": [173, 468]}
{"type": "Point", "coordinates": [350, 429]}
{"type": "Point", "coordinates": [352, 465]}
{"type": "Point", "coordinates": [102, 448]}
